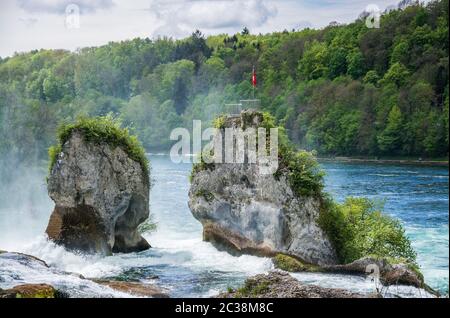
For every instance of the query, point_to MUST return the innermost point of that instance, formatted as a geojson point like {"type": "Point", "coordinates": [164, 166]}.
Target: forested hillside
{"type": "Point", "coordinates": [342, 90]}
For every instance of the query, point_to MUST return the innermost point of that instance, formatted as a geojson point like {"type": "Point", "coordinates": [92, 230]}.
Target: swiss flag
{"type": "Point", "coordinates": [254, 77]}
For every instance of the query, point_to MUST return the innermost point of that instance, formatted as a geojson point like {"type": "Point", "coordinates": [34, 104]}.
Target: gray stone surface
{"type": "Point", "coordinates": [247, 211]}
{"type": "Point", "coordinates": [101, 196]}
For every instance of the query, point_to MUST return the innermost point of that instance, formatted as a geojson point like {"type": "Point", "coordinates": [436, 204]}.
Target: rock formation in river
{"type": "Point", "coordinates": [278, 284]}
{"type": "Point", "coordinates": [101, 195]}
{"type": "Point", "coordinates": [247, 211]}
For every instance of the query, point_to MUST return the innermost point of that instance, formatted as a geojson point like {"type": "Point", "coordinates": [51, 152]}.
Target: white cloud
{"type": "Point", "coordinates": [59, 6]}
{"type": "Point", "coordinates": [203, 14]}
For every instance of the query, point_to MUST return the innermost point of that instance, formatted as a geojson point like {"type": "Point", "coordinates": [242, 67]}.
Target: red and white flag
{"type": "Point", "coordinates": [254, 77]}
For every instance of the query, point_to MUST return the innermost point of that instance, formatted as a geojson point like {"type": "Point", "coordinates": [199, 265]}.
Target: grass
{"type": "Point", "coordinates": [104, 129]}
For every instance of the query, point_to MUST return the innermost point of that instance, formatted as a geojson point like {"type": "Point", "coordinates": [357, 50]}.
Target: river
{"type": "Point", "coordinates": [184, 265]}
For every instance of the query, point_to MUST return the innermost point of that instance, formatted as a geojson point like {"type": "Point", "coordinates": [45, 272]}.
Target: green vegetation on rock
{"type": "Point", "coordinates": [103, 129]}
{"type": "Point", "coordinates": [148, 226]}
{"type": "Point", "coordinates": [358, 228]}
{"type": "Point", "coordinates": [304, 173]}
{"type": "Point", "coordinates": [252, 288]}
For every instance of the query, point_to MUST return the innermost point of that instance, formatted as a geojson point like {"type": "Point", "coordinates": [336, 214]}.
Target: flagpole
{"type": "Point", "coordinates": [253, 85]}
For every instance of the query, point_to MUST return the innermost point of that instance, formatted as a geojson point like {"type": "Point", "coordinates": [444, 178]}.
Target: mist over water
{"type": "Point", "coordinates": [24, 204]}
{"type": "Point", "coordinates": [184, 265]}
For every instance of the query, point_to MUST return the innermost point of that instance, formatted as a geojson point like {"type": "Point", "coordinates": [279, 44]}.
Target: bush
{"type": "Point", "coordinates": [358, 228]}
{"type": "Point", "coordinates": [105, 129]}
{"type": "Point", "coordinates": [304, 173]}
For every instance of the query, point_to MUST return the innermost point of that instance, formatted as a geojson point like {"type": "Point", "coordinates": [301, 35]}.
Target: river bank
{"type": "Point", "coordinates": [408, 161]}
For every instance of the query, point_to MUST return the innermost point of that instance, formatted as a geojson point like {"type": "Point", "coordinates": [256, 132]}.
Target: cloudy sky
{"type": "Point", "coordinates": [33, 24]}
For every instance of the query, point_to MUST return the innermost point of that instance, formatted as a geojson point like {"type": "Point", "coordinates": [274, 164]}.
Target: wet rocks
{"type": "Point", "coordinates": [134, 288]}
{"type": "Point", "coordinates": [278, 284]}
{"type": "Point", "coordinates": [30, 291]}
{"type": "Point", "coordinates": [389, 273]}
{"type": "Point", "coordinates": [101, 195]}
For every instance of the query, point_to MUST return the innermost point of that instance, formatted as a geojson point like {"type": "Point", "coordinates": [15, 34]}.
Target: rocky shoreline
{"type": "Point", "coordinates": [413, 162]}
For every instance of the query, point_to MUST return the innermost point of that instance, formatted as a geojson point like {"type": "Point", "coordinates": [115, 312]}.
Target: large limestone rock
{"type": "Point", "coordinates": [101, 196]}
{"type": "Point", "coordinates": [247, 211]}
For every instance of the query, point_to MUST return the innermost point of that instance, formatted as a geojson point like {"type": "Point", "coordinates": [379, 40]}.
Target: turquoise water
{"type": "Point", "coordinates": [184, 265]}
{"type": "Point", "coordinates": [418, 196]}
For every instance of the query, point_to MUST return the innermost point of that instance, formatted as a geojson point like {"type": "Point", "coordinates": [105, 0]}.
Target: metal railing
{"type": "Point", "coordinates": [236, 108]}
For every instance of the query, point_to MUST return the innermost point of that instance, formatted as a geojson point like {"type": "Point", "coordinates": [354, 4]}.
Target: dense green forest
{"type": "Point", "coordinates": [341, 90]}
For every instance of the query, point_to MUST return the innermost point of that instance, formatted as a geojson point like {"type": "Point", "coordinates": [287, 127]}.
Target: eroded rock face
{"type": "Point", "coordinates": [101, 196]}
{"type": "Point", "coordinates": [247, 211]}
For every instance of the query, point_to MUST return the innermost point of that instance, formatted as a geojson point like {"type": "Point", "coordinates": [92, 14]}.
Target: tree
{"type": "Point", "coordinates": [312, 64]}
{"type": "Point", "coordinates": [400, 53]}
{"type": "Point", "coordinates": [390, 139]}
{"type": "Point", "coordinates": [194, 49]}
{"type": "Point", "coordinates": [355, 62]}
{"type": "Point", "coordinates": [337, 64]}
{"type": "Point", "coordinates": [397, 74]}
{"type": "Point", "coordinates": [371, 77]}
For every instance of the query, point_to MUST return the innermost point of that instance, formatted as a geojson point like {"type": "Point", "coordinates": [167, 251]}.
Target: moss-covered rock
{"type": "Point", "coordinates": [101, 189]}
{"type": "Point", "coordinates": [30, 291]}
{"type": "Point", "coordinates": [277, 284]}
{"type": "Point", "coordinates": [103, 129]}
{"type": "Point", "coordinates": [292, 264]}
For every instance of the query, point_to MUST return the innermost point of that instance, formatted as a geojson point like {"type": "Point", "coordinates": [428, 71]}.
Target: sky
{"type": "Point", "coordinates": [70, 24]}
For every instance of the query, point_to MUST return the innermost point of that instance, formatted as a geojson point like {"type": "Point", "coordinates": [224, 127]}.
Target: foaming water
{"type": "Point", "coordinates": [183, 264]}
